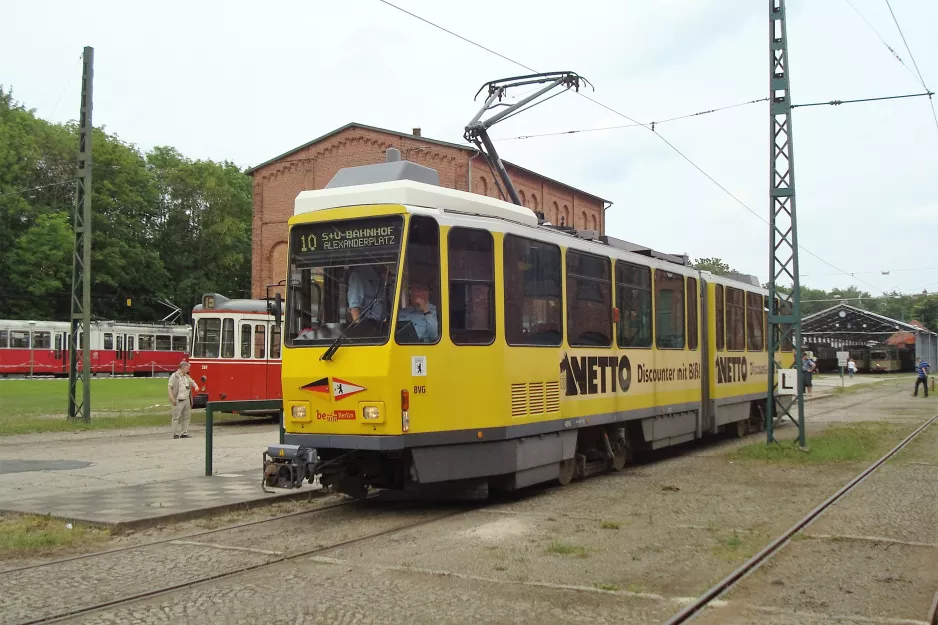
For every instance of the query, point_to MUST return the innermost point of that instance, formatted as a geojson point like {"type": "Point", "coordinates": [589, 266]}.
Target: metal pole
{"type": "Point", "coordinates": [81, 265]}
{"type": "Point", "coordinates": [783, 226]}
{"type": "Point", "coordinates": [209, 422]}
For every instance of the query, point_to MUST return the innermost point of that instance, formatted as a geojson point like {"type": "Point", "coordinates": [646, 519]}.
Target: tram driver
{"type": "Point", "coordinates": [421, 315]}
{"type": "Point", "coordinates": [368, 294]}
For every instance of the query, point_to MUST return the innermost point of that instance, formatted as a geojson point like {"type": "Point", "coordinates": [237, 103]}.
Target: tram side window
{"type": "Point", "coordinates": [274, 342]}
{"type": "Point", "coordinates": [633, 297]}
{"type": "Point", "coordinates": [533, 295]}
{"type": "Point", "coordinates": [589, 300]}
{"type": "Point", "coordinates": [19, 339]}
{"type": "Point", "coordinates": [754, 320]}
{"type": "Point", "coordinates": [3, 339]}
{"type": "Point", "coordinates": [669, 310]}
{"type": "Point", "coordinates": [227, 338]}
{"type": "Point", "coordinates": [246, 340]}
{"type": "Point", "coordinates": [180, 343]}
{"type": "Point", "coordinates": [108, 340]}
{"type": "Point", "coordinates": [42, 340]}
{"type": "Point", "coordinates": [471, 286]}
{"type": "Point", "coordinates": [735, 320]}
{"type": "Point", "coordinates": [207, 338]}
{"type": "Point", "coordinates": [720, 316]}
{"type": "Point", "coordinates": [146, 342]}
{"type": "Point", "coordinates": [418, 320]}
{"type": "Point", "coordinates": [164, 343]}
{"type": "Point", "coordinates": [692, 298]}
{"type": "Point", "coordinates": [259, 339]}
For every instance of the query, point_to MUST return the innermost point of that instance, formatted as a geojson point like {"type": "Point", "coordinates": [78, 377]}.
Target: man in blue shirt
{"type": "Point", "coordinates": [807, 368]}
{"type": "Point", "coordinates": [921, 368]}
{"type": "Point", "coordinates": [421, 314]}
{"type": "Point", "coordinates": [366, 293]}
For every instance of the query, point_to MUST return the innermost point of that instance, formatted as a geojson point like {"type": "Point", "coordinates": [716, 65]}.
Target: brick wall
{"type": "Point", "coordinates": [277, 184]}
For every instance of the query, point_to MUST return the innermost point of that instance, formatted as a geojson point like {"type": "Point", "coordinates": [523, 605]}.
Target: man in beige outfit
{"type": "Point", "coordinates": [180, 388]}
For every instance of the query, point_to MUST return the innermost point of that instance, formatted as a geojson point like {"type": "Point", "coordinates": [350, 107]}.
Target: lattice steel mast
{"type": "Point", "coordinates": [784, 324]}
{"type": "Point", "coordinates": [81, 266]}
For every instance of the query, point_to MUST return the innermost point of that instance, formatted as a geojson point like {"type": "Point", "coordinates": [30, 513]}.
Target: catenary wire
{"type": "Point", "coordinates": [636, 125]}
{"type": "Point", "coordinates": [888, 47]}
{"type": "Point", "coordinates": [914, 64]}
{"type": "Point", "coordinates": [51, 184]}
{"type": "Point", "coordinates": [634, 121]}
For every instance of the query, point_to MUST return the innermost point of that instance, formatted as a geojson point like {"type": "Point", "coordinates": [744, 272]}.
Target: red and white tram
{"type": "Point", "coordinates": [235, 350]}
{"type": "Point", "coordinates": [41, 347]}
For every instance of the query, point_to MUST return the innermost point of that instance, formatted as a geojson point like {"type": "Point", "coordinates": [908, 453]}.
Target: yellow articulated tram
{"type": "Point", "coordinates": [437, 336]}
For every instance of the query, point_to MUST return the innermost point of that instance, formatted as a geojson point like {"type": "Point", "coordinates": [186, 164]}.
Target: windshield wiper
{"type": "Point", "coordinates": [338, 340]}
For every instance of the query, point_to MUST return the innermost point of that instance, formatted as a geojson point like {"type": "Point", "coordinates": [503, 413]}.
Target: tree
{"type": "Point", "coordinates": [715, 266]}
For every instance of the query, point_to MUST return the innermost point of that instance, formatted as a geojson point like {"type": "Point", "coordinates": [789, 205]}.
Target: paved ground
{"type": "Point", "coordinates": [620, 548]}
{"type": "Point", "coordinates": [132, 477]}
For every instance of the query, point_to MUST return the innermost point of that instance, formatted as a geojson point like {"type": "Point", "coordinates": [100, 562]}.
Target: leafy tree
{"type": "Point", "coordinates": [715, 266]}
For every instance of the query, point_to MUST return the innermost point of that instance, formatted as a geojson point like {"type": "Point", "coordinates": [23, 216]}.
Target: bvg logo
{"type": "Point", "coordinates": [595, 375]}
{"type": "Point", "coordinates": [731, 369]}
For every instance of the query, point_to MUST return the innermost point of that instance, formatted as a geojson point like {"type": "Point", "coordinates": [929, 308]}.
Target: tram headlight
{"type": "Point", "coordinates": [371, 413]}
{"type": "Point", "coordinates": [298, 412]}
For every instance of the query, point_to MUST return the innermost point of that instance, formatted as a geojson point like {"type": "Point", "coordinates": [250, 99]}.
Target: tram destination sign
{"type": "Point", "coordinates": [375, 238]}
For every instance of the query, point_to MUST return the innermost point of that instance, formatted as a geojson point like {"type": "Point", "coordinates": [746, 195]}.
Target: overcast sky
{"type": "Point", "coordinates": [245, 82]}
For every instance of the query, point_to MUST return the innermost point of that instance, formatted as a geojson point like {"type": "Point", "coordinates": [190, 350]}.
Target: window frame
{"type": "Point", "coordinates": [185, 343]}
{"type": "Point", "coordinates": [750, 313]}
{"type": "Point", "coordinates": [4, 339]}
{"type": "Point", "coordinates": [227, 326]}
{"type": "Point", "coordinates": [649, 290]}
{"type": "Point", "coordinates": [275, 339]}
{"type": "Point", "coordinates": [692, 298]}
{"type": "Point", "coordinates": [493, 313]}
{"type": "Point", "coordinates": [108, 338]}
{"type": "Point", "coordinates": [682, 308]}
{"type": "Point", "coordinates": [44, 334]}
{"type": "Point", "coordinates": [250, 341]}
{"type": "Point", "coordinates": [263, 343]}
{"type": "Point", "coordinates": [398, 296]}
{"type": "Point", "coordinates": [170, 337]}
{"type": "Point", "coordinates": [719, 317]}
{"type": "Point", "coordinates": [146, 342]}
{"type": "Point", "coordinates": [562, 296]}
{"type": "Point", "coordinates": [608, 304]}
{"type": "Point", "coordinates": [742, 312]}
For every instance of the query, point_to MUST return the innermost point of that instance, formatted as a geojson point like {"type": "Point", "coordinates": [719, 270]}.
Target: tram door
{"type": "Point", "coordinates": [60, 352]}
{"type": "Point", "coordinates": [123, 353]}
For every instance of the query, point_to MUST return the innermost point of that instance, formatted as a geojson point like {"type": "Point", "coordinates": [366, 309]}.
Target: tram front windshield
{"type": "Point", "coordinates": [342, 280]}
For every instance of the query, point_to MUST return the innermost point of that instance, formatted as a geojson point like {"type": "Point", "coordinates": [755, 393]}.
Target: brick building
{"type": "Point", "coordinates": [311, 165]}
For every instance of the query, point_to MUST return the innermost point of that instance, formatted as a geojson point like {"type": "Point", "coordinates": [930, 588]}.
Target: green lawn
{"type": "Point", "coordinates": [31, 535]}
{"type": "Point", "coordinates": [838, 443]}
{"type": "Point", "coordinates": [41, 405]}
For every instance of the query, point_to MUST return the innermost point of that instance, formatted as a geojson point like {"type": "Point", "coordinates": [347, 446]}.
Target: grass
{"type": "Point", "coordinates": [609, 525]}
{"type": "Point", "coordinates": [609, 587]}
{"type": "Point", "coordinates": [838, 443]}
{"type": "Point", "coordinates": [732, 547]}
{"type": "Point", "coordinates": [40, 405]}
{"type": "Point", "coordinates": [22, 536]}
{"type": "Point", "coordinates": [565, 549]}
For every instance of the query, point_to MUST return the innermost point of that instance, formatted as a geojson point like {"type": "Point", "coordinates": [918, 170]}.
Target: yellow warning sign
{"type": "Point", "coordinates": [281, 453]}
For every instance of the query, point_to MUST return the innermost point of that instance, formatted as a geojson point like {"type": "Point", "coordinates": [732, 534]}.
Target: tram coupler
{"type": "Point", "coordinates": [286, 466]}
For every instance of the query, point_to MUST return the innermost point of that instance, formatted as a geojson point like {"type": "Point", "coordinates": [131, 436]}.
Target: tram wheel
{"type": "Point", "coordinates": [567, 471]}
{"type": "Point", "coordinates": [620, 455]}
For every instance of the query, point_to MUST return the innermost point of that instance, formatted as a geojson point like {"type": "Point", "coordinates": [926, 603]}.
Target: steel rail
{"type": "Point", "coordinates": [148, 594]}
{"type": "Point", "coordinates": [769, 550]}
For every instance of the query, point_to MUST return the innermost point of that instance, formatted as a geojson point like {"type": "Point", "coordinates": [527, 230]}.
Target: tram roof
{"type": "Point", "coordinates": [222, 303]}
{"type": "Point", "coordinates": [849, 323]}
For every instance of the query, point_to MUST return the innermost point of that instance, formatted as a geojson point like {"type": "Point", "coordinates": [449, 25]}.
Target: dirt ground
{"type": "Point", "coordinates": [630, 547]}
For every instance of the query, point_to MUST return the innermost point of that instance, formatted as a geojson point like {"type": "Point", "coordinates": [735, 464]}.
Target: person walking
{"type": "Point", "coordinates": [180, 393]}
{"type": "Point", "coordinates": [807, 368]}
{"type": "Point", "coordinates": [921, 369]}
{"type": "Point", "coordinates": [851, 367]}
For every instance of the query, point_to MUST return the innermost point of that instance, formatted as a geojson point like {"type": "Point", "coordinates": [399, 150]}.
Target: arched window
{"type": "Point", "coordinates": [583, 220]}
{"type": "Point", "coordinates": [566, 215]}
{"type": "Point", "coordinates": [534, 203]}
{"type": "Point", "coordinates": [593, 222]}
{"type": "Point", "coordinates": [524, 200]}
{"type": "Point", "coordinates": [483, 186]}
{"type": "Point", "coordinates": [555, 215]}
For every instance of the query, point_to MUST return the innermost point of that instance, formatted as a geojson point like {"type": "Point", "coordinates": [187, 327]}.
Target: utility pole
{"type": "Point", "coordinates": [784, 310]}
{"type": "Point", "coordinates": [80, 409]}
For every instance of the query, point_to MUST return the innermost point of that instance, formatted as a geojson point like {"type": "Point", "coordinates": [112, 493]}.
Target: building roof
{"type": "Point", "coordinates": [849, 323]}
{"type": "Point", "coordinates": [405, 135]}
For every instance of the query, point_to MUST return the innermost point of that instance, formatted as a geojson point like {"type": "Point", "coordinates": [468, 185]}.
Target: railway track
{"type": "Point", "coordinates": [80, 610]}
{"type": "Point", "coordinates": [728, 582]}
